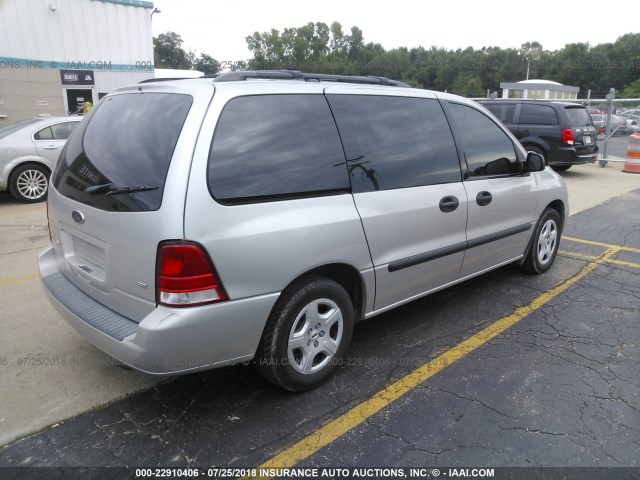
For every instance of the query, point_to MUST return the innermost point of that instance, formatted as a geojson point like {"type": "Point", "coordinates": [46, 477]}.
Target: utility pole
{"type": "Point", "coordinates": [605, 148]}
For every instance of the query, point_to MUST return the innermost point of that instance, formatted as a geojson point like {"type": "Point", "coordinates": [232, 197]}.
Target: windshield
{"type": "Point", "coordinates": [125, 148]}
{"type": "Point", "coordinates": [579, 117]}
{"type": "Point", "coordinates": [9, 129]}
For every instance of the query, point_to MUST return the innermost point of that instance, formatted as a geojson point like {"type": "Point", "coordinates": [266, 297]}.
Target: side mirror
{"type": "Point", "coordinates": [535, 162]}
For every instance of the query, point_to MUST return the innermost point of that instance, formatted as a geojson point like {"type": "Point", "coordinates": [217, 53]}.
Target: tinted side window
{"type": "Point", "coordinates": [276, 146]}
{"type": "Point", "coordinates": [395, 142]}
{"type": "Point", "coordinates": [488, 150]}
{"type": "Point", "coordinates": [538, 115]}
{"type": "Point", "coordinates": [63, 130]}
{"type": "Point", "coordinates": [44, 134]}
{"type": "Point", "coordinates": [128, 142]}
{"type": "Point", "coordinates": [504, 112]}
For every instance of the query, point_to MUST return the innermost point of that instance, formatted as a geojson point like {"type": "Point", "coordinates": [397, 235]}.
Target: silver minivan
{"type": "Point", "coordinates": [258, 215]}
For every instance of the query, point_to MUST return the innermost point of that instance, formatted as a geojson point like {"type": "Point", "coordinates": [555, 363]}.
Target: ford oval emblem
{"type": "Point", "coordinates": [77, 216]}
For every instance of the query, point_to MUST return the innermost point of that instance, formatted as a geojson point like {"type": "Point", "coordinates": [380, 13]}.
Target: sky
{"type": "Point", "coordinates": [218, 28]}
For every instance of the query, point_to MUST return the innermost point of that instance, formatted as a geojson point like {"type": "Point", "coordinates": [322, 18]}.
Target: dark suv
{"type": "Point", "coordinates": [563, 133]}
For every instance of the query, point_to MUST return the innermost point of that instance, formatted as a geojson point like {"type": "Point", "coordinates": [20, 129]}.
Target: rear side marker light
{"type": "Point", "coordinates": [186, 277]}
{"type": "Point", "coordinates": [567, 136]}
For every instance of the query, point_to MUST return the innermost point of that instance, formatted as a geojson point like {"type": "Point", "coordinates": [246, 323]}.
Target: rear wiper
{"type": "Point", "coordinates": [113, 189]}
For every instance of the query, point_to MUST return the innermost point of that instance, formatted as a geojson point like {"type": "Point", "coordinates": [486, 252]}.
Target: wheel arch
{"type": "Point", "coordinates": [558, 206]}
{"type": "Point", "coordinates": [538, 143]}
{"type": "Point", "coordinates": [24, 162]}
{"type": "Point", "coordinates": [344, 275]}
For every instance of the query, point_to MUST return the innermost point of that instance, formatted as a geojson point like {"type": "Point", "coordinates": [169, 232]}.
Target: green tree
{"type": "Point", "coordinates": [632, 91]}
{"type": "Point", "coordinates": [531, 53]}
{"type": "Point", "coordinates": [315, 47]}
{"type": "Point", "coordinates": [468, 85]}
{"type": "Point", "coordinates": [168, 52]}
{"type": "Point", "coordinates": [207, 64]}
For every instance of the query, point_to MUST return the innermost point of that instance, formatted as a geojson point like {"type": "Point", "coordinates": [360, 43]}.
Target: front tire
{"type": "Point", "coordinates": [561, 168]}
{"type": "Point", "coordinates": [30, 183]}
{"type": "Point", "coordinates": [307, 335]}
{"type": "Point", "coordinates": [545, 243]}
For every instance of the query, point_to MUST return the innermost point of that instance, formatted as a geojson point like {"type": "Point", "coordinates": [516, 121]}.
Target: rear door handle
{"type": "Point", "coordinates": [51, 147]}
{"type": "Point", "coordinates": [448, 204]}
{"type": "Point", "coordinates": [483, 198]}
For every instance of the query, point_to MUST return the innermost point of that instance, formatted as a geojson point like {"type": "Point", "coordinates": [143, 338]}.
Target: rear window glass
{"type": "Point", "coordinates": [44, 134]}
{"type": "Point", "coordinates": [578, 117]}
{"type": "Point", "coordinates": [123, 152]}
{"type": "Point", "coordinates": [14, 127]}
{"type": "Point", "coordinates": [275, 147]}
{"type": "Point", "coordinates": [538, 115]}
{"type": "Point", "coordinates": [395, 142]}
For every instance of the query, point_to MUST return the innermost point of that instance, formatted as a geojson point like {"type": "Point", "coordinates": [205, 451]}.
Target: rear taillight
{"type": "Point", "coordinates": [186, 277]}
{"type": "Point", "coordinates": [567, 136]}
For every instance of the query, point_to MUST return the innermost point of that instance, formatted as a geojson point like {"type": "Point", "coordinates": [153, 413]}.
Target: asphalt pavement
{"type": "Point", "coordinates": [505, 370]}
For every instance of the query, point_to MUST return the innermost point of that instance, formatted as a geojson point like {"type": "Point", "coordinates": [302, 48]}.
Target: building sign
{"type": "Point", "coordinates": [77, 77]}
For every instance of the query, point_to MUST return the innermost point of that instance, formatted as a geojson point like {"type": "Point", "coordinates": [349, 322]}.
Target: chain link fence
{"type": "Point", "coordinates": [614, 118]}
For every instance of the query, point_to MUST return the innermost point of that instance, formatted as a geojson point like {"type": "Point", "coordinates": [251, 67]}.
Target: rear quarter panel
{"type": "Point", "coordinates": [260, 248]}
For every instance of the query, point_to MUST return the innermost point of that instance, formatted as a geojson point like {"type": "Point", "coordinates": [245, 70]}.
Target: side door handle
{"type": "Point", "coordinates": [483, 198]}
{"type": "Point", "coordinates": [448, 204]}
{"type": "Point", "coordinates": [51, 147]}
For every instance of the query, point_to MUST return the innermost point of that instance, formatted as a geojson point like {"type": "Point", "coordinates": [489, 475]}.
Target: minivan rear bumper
{"type": "Point", "coordinates": [167, 341]}
{"type": "Point", "coordinates": [573, 156]}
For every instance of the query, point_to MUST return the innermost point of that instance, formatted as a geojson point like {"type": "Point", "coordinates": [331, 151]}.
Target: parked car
{"type": "Point", "coordinates": [561, 132]}
{"type": "Point", "coordinates": [620, 124]}
{"type": "Point", "coordinates": [599, 122]}
{"type": "Point", "coordinates": [205, 222]}
{"type": "Point", "coordinates": [632, 122]}
{"type": "Point", "coordinates": [28, 151]}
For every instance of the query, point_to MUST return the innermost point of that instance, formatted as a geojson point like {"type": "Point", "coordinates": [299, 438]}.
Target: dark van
{"type": "Point", "coordinates": [562, 132]}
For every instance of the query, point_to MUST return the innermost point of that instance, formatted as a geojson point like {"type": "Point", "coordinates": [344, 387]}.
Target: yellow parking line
{"type": "Point", "coordinates": [358, 414]}
{"type": "Point", "coordinates": [24, 278]}
{"type": "Point", "coordinates": [626, 264]}
{"type": "Point", "coordinates": [600, 244]}
{"type": "Point", "coordinates": [593, 257]}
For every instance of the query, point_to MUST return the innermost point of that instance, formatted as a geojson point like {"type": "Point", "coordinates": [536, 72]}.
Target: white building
{"type": "Point", "coordinates": [539, 90]}
{"type": "Point", "coordinates": [57, 53]}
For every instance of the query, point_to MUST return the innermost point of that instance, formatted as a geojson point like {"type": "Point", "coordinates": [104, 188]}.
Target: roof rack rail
{"type": "Point", "coordinates": [154, 80]}
{"type": "Point", "coordinates": [305, 77]}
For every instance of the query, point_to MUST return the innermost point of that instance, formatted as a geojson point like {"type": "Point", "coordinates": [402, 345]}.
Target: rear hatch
{"type": "Point", "coordinates": [119, 189]}
{"type": "Point", "coordinates": [584, 132]}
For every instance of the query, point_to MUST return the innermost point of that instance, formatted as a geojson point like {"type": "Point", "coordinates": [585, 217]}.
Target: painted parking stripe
{"type": "Point", "coordinates": [24, 278]}
{"type": "Point", "coordinates": [583, 256]}
{"type": "Point", "coordinates": [600, 244]}
{"type": "Point", "coordinates": [361, 412]}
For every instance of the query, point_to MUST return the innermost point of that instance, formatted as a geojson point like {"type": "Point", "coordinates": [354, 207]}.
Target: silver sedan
{"type": "Point", "coordinates": [28, 151]}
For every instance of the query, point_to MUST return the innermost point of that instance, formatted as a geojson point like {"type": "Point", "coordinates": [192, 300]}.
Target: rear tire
{"type": "Point", "coordinates": [545, 242]}
{"type": "Point", "coordinates": [29, 183]}
{"type": "Point", "coordinates": [561, 168]}
{"type": "Point", "coordinates": [307, 335]}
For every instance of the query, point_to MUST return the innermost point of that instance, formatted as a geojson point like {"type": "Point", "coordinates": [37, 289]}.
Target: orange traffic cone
{"type": "Point", "coordinates": [632, 163]}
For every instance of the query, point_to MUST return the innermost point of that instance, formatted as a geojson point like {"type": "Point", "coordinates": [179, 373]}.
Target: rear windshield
{"type": "Point", "coordinates": [578, 117]}
{"type": "Point", "coordinates": [9, 129]}
{"type": "Point", "coordinates": [119, 159]}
